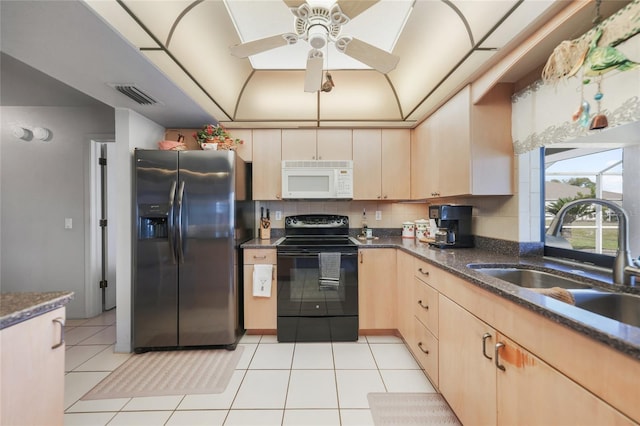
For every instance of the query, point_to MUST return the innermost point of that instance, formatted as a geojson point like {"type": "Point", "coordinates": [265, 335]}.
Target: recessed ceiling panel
{"type": "Point", "coordinates": [276, 95]}
{"type": "Point", "coordinates": [433, 42]}
{"type": "Point", "coordinates": [452, 85]}
{"type": "Point", "coordinates": [359, 95]}
{"type": "Point", "coordinates": [200, 44]}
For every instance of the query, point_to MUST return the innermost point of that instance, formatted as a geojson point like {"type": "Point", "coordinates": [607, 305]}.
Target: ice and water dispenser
{"type": "Point", "coordinates": [153, 221]}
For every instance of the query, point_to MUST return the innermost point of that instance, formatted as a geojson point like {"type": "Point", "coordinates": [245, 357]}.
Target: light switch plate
{"type": "Point", "coordinates": [278, 215]}
{"type": "Point", "coordinates": [378, 215]}
{"type": "Point", "coordinates": [68, 223]}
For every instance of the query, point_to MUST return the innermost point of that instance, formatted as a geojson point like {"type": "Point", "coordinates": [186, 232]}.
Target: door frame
{"type": "Point", "coordinates": [93, 293]}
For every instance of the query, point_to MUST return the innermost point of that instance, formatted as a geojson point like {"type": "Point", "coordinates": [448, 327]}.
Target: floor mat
{"type": "Point", "coordinates": [169, 373]}
{"type": "Point", "coordinates": [428, 409]}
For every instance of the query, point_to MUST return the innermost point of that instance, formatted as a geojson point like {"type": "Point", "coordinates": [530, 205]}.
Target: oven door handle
{"type": "Point", "coordinates": [311, 254]}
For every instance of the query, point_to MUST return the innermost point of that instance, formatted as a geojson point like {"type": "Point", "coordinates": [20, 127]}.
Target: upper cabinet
{"type": "Point", "coordinates": [267, 164]}
{"type": "Point", "coordinates": [381, 164]}
{"type": "Point", "coordinates": [320, 144]}
{"type": "Point", "coordinates": [244, 150]}
{"type": "Point", "coordinates": [465, 148]}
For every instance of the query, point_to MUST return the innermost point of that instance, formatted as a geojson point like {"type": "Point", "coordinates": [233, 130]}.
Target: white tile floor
{"type": "Point", "coordinates": [274, 383]}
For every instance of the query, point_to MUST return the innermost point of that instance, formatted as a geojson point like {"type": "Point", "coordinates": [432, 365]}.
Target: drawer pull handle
{"type": "Point", "coordinates": [423, 272]}
{"type": "Point", "coordinates": [424, 306]}
{"type": "Point", "coordinates": [259, 257]}
{"type": "Point", "coordinates": [497, 356]}
{"type": "Point", "coordinates": [485, 336]}
{"type": "Point", "coordinates": [426, 351]}
{"type": "Point", "coordinates": [61, 342]}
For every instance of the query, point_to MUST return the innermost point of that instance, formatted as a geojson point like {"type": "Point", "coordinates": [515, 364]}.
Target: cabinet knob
{"type": "Point", "coordinates": [385, 197]}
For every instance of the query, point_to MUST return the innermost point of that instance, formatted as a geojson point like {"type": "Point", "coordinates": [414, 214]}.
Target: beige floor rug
{"type": "Point", "coordinates": [169, 373]}
{"type": "Point", "coordinates": [425, 409]}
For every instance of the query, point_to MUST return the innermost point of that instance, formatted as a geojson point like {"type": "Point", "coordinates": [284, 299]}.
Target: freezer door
{"type": "Point", "coordinates": [155, 291]}
{"type": "Point", "coordinates": [205, 212]}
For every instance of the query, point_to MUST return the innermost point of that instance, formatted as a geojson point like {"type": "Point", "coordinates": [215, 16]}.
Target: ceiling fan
{"type": "Point", "coordinates": [319, 25]}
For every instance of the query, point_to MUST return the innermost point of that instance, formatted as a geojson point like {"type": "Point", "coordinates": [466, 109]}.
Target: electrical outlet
{"type": "Point", "coordinates": [68, 223]}
{"type": "Point", "coordinates": [378, 215]}
{"type": "Point", "coordinates": [278, 215]}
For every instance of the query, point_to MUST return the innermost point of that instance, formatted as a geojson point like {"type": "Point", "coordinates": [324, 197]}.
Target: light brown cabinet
{"type": "Point", "coordinates": [381, 164]}
{"type": "Point", "coordinates": [267, 164]}
{"type": "Point", "coordinates": [260, 313]}
{"type": "Point", "coordinates": [320, 144]}
{"type": "Point", "coordinates": [490, 379]}
{"type": "Point", "coordinates": [32, 367]}
{"type": "Point", "coordinates": [245, 149]}
{"type": "Point", "coordinates": [465, 148]}
{"type": "Point", "coordinates": [404, 266]}
{"type": "Point", "coordinates": [377, 289]}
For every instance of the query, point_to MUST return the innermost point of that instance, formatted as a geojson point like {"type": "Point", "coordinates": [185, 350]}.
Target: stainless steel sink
{"type": "Point", "coordinates": [618, 306]}
{"type": "Point", "coordinates": [531, 278]}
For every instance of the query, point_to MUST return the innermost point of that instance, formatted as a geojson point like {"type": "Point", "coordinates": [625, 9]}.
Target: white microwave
{"type": "Point", "coordinates": [318, 179]}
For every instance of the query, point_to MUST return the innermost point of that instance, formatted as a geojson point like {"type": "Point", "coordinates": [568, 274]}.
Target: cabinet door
{"type": "Point", "coordinates": [404, 266]}
{"type": "Point", "coordinates": [377, 289]}
{"type": "Point", "coordinates": [425, 347]}
{"type": "Point", "coordinates": [299, 144]}
{"type": "Point", "coordinates": [334, 144]}
{"type": "Point", "coordinates": [396, 164]}
{"type": "Point", "coordinates": [32, 371]}
{"type": "Point", "coordinates": [454, 145]}
{"type": "Point", "coordinates": [260, 313]}
{"type": "Point", "coordinates": [530, 392]}
{"type": "Point", "coordinates": [420, 161]}
{"type": "Point", "coordinates": [367, 163]}
{"type": "Point", "coordinates": [267, 164]}
{"type": "Point", "coordinates": [467, 378]}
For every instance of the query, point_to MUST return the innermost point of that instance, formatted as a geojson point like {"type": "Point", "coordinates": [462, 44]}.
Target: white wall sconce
{"type": "Point", "coordinates": [39, 133]}
{"type": "Point", "coordinates": [42, 133]}
{"type": "Point", "coordinates": [22, 133]}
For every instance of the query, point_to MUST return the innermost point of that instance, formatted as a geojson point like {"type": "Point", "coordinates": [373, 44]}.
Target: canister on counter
{"type": "Point", "coordinates": [422, 229]}
{"type": "Point", "coordinates": [408, 230]}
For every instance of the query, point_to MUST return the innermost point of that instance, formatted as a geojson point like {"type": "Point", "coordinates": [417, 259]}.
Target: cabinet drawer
{"type": "Point", "coordinates": [425, 305]}
{"type": "Point", "coordinates": [425, 348]}
{"type": "Point", "coordinates": [423, 270]}
{"type": "Point", "coordinates": [254, 256]}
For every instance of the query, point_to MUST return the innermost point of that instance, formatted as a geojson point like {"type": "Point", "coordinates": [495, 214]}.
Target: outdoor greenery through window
{"type": "Point", "coordinates": [590, 231]}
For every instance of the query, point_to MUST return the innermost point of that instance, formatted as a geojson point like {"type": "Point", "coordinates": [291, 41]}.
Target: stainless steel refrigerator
{"type": "Point", "coordinates": [192, 210]}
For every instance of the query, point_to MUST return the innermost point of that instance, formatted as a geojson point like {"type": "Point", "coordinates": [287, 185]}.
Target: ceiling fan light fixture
{"type": "Point", "coordinates": [317, 36]}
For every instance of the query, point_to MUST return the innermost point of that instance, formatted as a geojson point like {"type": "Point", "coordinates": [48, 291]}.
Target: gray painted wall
{"type": "Point", "coordinates": [42, 183]}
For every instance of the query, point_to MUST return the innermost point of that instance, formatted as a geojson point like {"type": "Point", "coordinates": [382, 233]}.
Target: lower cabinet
{"type": "Point", "coordinates": [260, 313]}
{"type": "Point", "coordinates": [377, 289]}
{"type": "Point", "coordinates": [489, 379]}
{"type": "Point", "coordinates": [32, 368]}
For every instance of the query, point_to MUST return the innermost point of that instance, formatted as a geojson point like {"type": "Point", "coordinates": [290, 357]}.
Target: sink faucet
{"type": "Point", "coordinates": [623, 266]}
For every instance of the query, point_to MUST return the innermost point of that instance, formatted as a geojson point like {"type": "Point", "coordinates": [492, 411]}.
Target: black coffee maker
{"type": "Point", "coordinates": [454, 225]}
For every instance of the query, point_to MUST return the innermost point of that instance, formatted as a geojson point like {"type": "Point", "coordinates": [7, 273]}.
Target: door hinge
{"type": "Point", "coordinates": [102, 161]}
{"type": "Point", "coordinates": [104, 284]}
{"type": "Point", "coordinates": [103, 223]}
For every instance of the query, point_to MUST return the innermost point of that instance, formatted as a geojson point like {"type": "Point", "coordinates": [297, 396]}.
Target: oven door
{"type": "Point", "coordinates": [301, 293]}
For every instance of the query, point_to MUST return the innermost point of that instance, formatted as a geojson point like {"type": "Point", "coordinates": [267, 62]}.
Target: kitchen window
{"type": "Point", "coordinates": [590, 232]}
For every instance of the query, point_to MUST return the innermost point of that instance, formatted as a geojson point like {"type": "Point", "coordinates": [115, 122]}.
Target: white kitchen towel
{"type": "Point", "coordinates": [262, 280]}
{"type": "Point", "coordinates": [329, 270]}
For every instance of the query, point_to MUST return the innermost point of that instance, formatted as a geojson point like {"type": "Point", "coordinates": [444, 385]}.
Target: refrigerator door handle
{"type": "Point", "coordinates": [170, 219]}
{"type": "Point", "coordinates": [179, 223]}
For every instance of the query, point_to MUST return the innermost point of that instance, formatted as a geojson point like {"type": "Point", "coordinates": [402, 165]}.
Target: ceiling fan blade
{"type": "Point", "coordinates": [258, 46]}
{"type": "Point", "coordinates": [313, 75]}
{"type": "Point", "coordinates": [378, 59]}
{"type": "Point", "coordinates": [294, 3]}
{"type": "Point", "coordinates": [353, 8]}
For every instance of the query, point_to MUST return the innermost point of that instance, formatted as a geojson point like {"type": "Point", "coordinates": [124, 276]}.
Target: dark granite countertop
{"type": "Point", "coordinates": [18, 307]}
{"type": "Point", "coordinates": [622, 337]}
